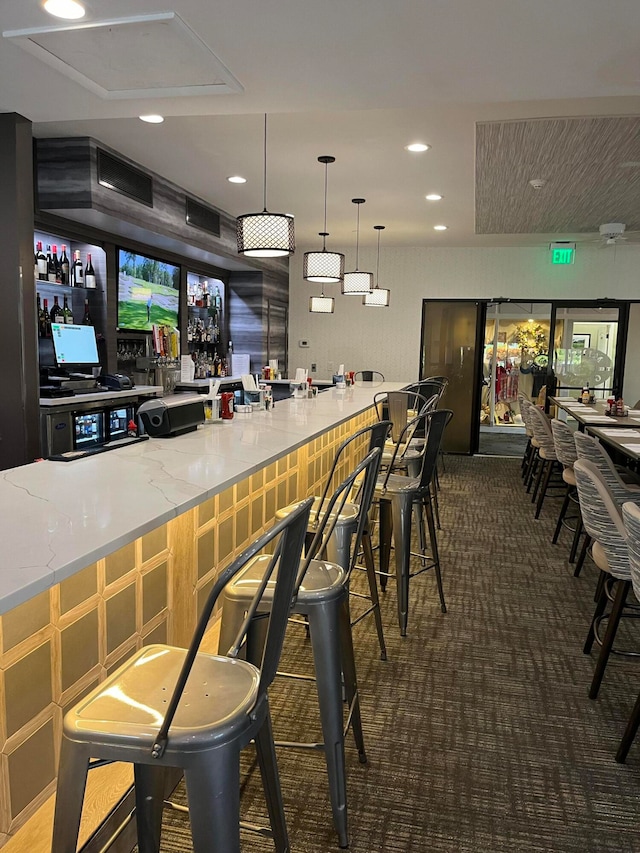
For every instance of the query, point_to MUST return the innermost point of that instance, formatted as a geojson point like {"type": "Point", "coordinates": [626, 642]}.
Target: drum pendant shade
{"type": "Point", "coordinates": [265, 235]}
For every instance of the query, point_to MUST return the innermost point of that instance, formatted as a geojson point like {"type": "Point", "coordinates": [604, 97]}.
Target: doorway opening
{"type": "Point", "coordinates": [514, 361]}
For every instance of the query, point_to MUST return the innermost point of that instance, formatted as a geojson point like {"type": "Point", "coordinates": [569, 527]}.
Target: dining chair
{"type": "Point", "coordinates": [631, 521]}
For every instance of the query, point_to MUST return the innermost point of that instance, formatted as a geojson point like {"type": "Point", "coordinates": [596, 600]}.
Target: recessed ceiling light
{"type": "Point", "coordinates": [417, 146]}
{"type": "Point", "coordinates": [69, 9]}
{"type": "Point", "coordinates": [237, 179]}
{"type": "Point", "coordinates": [439, 227]}
{"type": "Point", "coordinates": [433, 197]}
{"type": "Point", "coordinates": [152, 119]}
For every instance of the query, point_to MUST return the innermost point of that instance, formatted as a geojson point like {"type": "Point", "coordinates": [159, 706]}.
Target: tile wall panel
{"type": "Point", "coordinates": [149, 591]}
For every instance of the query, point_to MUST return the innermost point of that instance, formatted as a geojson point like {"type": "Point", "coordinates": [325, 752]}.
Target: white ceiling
{"type": "Point", "coordinates": [357, 79]}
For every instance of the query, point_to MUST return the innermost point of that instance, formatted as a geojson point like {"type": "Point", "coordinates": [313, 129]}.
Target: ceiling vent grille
{"type": "Point", "coordinates": [202, 217]}
{"type": "Point", "coordinates": [115, 174]}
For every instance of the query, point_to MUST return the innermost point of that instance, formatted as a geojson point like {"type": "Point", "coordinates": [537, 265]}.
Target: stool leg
{"type": "Point", "coordinates": [213, 792]}
{"type": "Point", "coordinates": [72, 780]}
{"type": "Point", "coordinates": [266, 752]}
{"type": "Point", "coordinates": [385, 528]}
{"type": "Point", "coordinates": [401, 506]}
{"type": "Point", "coordinates": [149, 787]}
{"type": "Point", "coordinates": [436, 506]}
{"type": "Point", "coordinates": [434, 552]}
{"type": "Point", "coordinates": [533, 467]}
{"type": "Point", "coordinates": [563, 512]}
{"type": "Point", "coordinates": [576, 538]}
{"type": "Point", "coordinates": [541, 471]}
{"type": "Point", "coordinates": [600, 606]}
{"type": "Point", "coordinates": [545, 486]}
{"type": "Point", "coordinates": [629, 733]}
{"type": "Point", "coordinates": [612, 626]}
{"type": "Point", "coordinates": [325, 643]}
{"type": "Point", "coordinates": [373, 590]}
{"type": "Point", "coordinates": [350, 679]}
{"type": "Point", "coordinates": [583, 554]}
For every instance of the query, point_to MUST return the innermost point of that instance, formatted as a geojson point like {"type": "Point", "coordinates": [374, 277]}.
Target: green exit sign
{"type": "Point", "coordinates": [563, 253]}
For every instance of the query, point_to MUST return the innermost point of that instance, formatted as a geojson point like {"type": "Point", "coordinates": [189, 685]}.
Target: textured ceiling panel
{"type": "Point", "coordinates": [591, 167]}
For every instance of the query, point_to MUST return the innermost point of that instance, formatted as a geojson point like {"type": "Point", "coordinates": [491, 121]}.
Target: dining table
{"type": "Point", "coordinates": [621, 433]}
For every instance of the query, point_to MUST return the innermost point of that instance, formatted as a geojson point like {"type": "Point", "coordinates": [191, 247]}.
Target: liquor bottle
{"type": "Point", "coordinates": [51, 269]}
{"type": "Point", "coordinates": [56, 315]}
{"type": "Point", "coordinates": [229, 360]}
{"type": "Point", "coordinates": [86, 319]}
{"type": "Point", "coordinates": [56, 265]}
{"type": "Point", "coordinates": [45, 320]}
{"type": "Point", "coordinates": [64, 266]}
{"type": "Point", "coordinates": [41, 260]}
{"type": "Point", "coordinates": [217, 299]}
{"type": "Point", "coordinates": [89, 274]}
{"type": "Point", "coordinates": [77, 271]}
{"type": "Point", "coordinates": [67, 314]}
{"type": "Point", "coordinates": [39, 314]}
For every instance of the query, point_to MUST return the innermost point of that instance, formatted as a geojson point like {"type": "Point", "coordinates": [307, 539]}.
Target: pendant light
{"type": "Point", "coordinates": [321, 304]}
{"type": "Point", "coordinates": [379, 296]}
{"type": "Point", "coordinates": [326, 267]}
{"type": "Point", "coordinates": [357, 283]}
{"type": "Point", "coordinates": [265, 235]}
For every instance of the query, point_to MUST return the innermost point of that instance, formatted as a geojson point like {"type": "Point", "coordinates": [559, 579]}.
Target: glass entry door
{"type": "Point", "coordinates": [587, 349]}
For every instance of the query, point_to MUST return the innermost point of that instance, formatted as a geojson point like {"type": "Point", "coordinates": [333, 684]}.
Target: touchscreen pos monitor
{"type": "Point", "coordinates": [74, 346]}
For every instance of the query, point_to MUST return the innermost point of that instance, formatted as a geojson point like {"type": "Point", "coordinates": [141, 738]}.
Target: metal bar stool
{"type": "Point", "coordinates": [322, 596]}
{"type": "Point", "coordinates": [171, 707]}
{"type": "Point", "coordinates": [397, 495]}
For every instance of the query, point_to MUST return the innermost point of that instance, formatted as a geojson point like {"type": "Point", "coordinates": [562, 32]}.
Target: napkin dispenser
{"type": "Point", "coordinates": [164, 418]}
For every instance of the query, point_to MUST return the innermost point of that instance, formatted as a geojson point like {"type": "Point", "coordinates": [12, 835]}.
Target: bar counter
{"type": "Point", "coordinates": [108, 553]}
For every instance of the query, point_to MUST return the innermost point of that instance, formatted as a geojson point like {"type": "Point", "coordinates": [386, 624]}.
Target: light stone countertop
{"type": "Point", "coordinates": [58, 517]}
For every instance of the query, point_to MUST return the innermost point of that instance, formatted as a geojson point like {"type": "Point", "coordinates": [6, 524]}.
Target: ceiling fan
{"type": "Point", "coordinates": [613, 233]}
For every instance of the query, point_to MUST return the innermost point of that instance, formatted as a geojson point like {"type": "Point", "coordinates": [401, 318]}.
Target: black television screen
{"type": "Point", "coordinates": [148, 292]}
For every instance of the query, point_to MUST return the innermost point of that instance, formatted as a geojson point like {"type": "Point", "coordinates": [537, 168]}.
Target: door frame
{"type": "Point", "coordinates": [481, 317]}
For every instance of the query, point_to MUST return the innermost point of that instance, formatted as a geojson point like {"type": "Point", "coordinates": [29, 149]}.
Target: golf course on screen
{"type": "Point", "coordinates": [148, 292]}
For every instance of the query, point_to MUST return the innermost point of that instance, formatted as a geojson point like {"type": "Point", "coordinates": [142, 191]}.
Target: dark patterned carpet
{"type": "Point", "coordinates": [480, 735]}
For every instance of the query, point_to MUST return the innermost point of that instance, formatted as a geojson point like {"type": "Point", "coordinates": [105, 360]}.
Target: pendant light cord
{"type": "Point", "coordinates": [265, 163]}
{"type": "Point", "coordinates": [358, 239]}
{"type": "Point", "coordinates": [324, 235]}
{"type": "Point", "coordinates": [378, 261]}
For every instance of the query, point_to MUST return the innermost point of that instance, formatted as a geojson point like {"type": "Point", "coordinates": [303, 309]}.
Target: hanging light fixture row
{"type": "Point", "coordinates": [265, 235]}
{"type": "Point", "coordinates": [379, 296]}
{"type": "Point", "coordinates": [357, 283]}
{"type": "Point", "coordinates": [323, 266]}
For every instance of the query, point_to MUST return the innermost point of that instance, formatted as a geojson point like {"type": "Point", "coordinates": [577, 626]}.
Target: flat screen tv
{"type": "Point", "coordinates": [148, 292]}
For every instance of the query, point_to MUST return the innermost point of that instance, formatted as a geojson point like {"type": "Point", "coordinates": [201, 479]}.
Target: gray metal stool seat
{"type": "Point", "coordinates": [397, 495]}
{"type": "Point", "coordinates": [322, 596]}
{"type": "Point", "coordinates": [368, 376]}
{"type": "Point", "coordinates": [168, 707]}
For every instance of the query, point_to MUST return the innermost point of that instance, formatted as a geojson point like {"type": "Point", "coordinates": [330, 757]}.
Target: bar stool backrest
{"type": "Point", "coordinates": [564, 443]}
{"type": "Point", "coordinates": [399, 403]}
{"type": "Point", "coordinates": [542, 431]}
{"type": "Point", "coordinates": [290, 535]}
{"type": "Point", "coordinates": [329, 514]}
{"type": "Point", "coordinates": [429, 387]}
{"type": "Point", "coordinates": [368, 376]}
{"type": "Point", "coordinates": [377, 435]}
{"type": "Point", "coordinates": [435, 423]}
{"type": "Point", "coordinates": [588, 447]}
{"type": "Point", "coordinates": [525, 405]}
{"type": "Point", "coordinates": [601, 517]}
{"type": "Point", "coordinates": [631, 519]}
